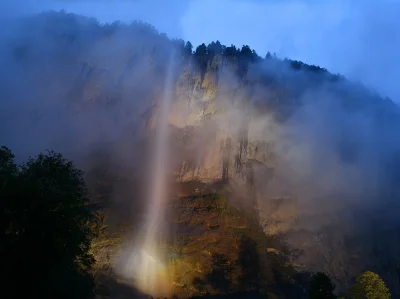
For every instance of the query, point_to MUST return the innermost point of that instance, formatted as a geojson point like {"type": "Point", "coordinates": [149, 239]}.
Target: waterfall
{"type": "Point", "coordinates": [144, 261]}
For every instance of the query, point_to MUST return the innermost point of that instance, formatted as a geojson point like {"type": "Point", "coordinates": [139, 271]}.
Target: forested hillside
{"type": "Point", "coordinates": [309, 156]}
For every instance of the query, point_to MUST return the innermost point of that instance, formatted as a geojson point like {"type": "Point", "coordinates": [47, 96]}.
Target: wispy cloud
{"type": "Point", "coordinates": [360, 39]}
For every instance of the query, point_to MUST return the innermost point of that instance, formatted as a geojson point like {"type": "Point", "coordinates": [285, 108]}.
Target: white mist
{"type": "Point", "coordinates": [144, 262]}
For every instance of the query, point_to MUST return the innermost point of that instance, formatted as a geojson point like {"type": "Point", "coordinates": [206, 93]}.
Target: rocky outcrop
{"type": "Point", "coordinates": [216, 139]}
{"type": "Point", "coordinates": [216, 249]}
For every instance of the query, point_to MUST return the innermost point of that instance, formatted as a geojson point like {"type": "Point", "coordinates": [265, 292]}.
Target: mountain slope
{"type": "Point", "coordinates": [215, 249]}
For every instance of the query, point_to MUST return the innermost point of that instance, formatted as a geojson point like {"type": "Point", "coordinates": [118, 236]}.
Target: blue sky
{"type": "Point", "coordinates": [360, 39]}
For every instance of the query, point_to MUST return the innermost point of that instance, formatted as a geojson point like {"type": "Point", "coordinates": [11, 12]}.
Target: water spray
{"type": "Point", "coordinates": [144, 263]}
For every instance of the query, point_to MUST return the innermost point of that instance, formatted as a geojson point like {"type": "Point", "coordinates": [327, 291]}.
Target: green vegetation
{"type": "Point", "coordinates": [45, 228]}
{"type": "Point", "coordinates": [369, 286]}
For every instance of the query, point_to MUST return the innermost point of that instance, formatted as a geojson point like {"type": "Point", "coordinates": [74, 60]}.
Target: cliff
{"type": "Point", "coordinates": [215, 250]}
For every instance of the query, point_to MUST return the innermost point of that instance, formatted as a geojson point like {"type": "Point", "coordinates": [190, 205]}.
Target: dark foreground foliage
{"type": "Point", "coordinates": [321, 287]}
{"type": "Point", "coordinates": [45, 228]}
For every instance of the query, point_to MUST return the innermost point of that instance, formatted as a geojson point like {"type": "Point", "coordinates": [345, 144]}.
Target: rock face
{"type": "Point", "coordinates": [215, 249]}
{"type": "Point", "coordinates": [221, 143]}
{"type": "Point", "coordinates": [214, 134]}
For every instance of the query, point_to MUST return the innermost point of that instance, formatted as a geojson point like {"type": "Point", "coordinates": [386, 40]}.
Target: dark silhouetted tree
{"type": "Point", "coordinates": [46, 232]}
{"type": "Point", "coordinates": [231, 52]}
{"type": "Point", "coordinates": [246, 56]}
{"type": "Point", "coordinates": [214, 48]}
{"type": "Point", "coordinates": [201, 57]}
{"type": "Point", "coordinates": [321, 287]}
{"type": "Point", "coordinates": [188, 48]}
{"type": "Point", "coordinates": [218, 48]}
{"type": "Point", "coordinates": [8, 175]}
{"type": "Point", "coordinates": [201, 51]}
{"type": "Point", "coordinates": [255, 57]}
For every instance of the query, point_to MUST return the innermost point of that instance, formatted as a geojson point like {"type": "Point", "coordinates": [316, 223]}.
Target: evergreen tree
{"type": "Point", "coordinates": [201, 51]}
{"type": "Point", "coordinates": [231, 51]}
{"type": "Point", "coordinates": [188, 48]}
